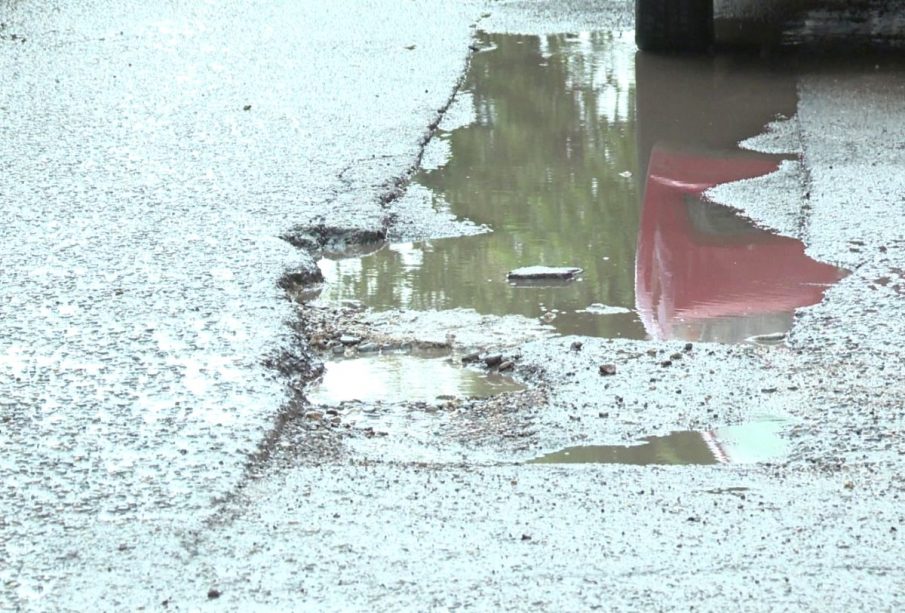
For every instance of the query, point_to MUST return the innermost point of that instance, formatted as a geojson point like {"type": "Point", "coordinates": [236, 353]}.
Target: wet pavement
{"type": "Point", "coordinates": [157, 446]}
{"type": "Point", "coordinates": [152, 157]}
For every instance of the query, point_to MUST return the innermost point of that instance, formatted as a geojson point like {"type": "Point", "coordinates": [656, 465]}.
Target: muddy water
{"type": "Point", "coordinates": [582, 154]}
{"type": "Point", "coordinates": [755, 442]}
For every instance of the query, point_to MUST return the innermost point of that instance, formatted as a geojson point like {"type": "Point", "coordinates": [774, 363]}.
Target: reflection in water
{"type": "Point", "coordinates": [755, 442]}
{"type": "Point", "coordinates": [546, 164]}
{"type": "Point", "coordinates": [563, 150]}
{"type": "Point", "coordinates": [404, 377]}
{"type": "Point", "coordinates": [702, 275]}
{"type": "Point", "coordinates": [702, 272]}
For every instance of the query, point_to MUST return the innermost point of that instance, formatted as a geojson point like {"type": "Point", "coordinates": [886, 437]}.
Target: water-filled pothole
{"type": "Point", "coordinates": [758, 441]}
{"type": "Point", "coordinates": [393, 377]}
{"type": "Point", "coordinates": [570, 162]}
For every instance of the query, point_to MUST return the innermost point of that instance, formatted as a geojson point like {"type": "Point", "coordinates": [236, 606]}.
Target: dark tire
{"type": "Point", "coordinates": [674, 25]}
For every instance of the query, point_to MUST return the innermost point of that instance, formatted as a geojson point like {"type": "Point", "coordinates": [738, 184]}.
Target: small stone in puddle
{"type": "Point", "coordinates": [348, 339]}
{"type": "Point", "coordinates": [607, 369]}
{"type": "Point", "coordinates": [507, 365]}
{"type": "Point", "coordinates": [768, 338]}
{"type": "Point", "coordinates": [539, 273]}
{"type": "Point", "coordinates": [368, 348]}
{"type": "Point", "coordinates": [471, 357]}
{"type": "Point", "coordinates": [493, 360]}
{"type": "Point", "coordinates": [576, 346]}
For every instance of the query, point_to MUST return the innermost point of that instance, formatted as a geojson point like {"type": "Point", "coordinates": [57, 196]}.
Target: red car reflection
{"type": "Point", "coordinates": [701, 272]}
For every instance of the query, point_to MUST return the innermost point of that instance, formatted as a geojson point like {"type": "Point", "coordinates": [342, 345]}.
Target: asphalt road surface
{"type": "Point", "coordinates": [154, 452]}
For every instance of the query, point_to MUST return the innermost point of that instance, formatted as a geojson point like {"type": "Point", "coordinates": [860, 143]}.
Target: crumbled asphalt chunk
{"type": "Point", "coordinates": [471, 358]}
{"type": "Point", "coordinates": [576, 346]}
{"type": "Point", "coordinates": [540, 273]}
{"type": "Point", "coordinates": [348, 339]}
{"type": "Point", "coordinates": [607, 369]}
{"type": "Point", "coordinates": [494, 359]}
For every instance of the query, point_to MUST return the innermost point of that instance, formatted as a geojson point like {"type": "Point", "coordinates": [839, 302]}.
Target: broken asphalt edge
{"type": "Point", "coordinates": [297, 364]}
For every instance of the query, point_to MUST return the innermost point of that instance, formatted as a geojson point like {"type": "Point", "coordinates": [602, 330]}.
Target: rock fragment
{"type": "Point", "coordinates": [494, 359]}
{"type": "Point", "coordinates": [543, 273]}
{"type": "Point", "coordinates": [607, 369]}
{"type": "Point", "coordinates": [471, 357]}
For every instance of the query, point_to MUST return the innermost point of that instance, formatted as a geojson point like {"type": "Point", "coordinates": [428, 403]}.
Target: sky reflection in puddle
{"type": "Point", "coordinates": [398, 377]}
{"type": "Point", "coordinates": [570, 163]}
{"type": "Point", "coordinates": [759, 441]}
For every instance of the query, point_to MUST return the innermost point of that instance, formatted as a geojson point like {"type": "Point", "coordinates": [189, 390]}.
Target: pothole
{"type": "Point", "coordinates": [758, 441]}
{"type": "Point", "coordinates": [587, 164]}
{"type": "Point", "coordinates": [405, 377]}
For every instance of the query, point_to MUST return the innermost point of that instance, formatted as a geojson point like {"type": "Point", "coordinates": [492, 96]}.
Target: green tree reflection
{"type": "Point", "coordinates": [545, 165]}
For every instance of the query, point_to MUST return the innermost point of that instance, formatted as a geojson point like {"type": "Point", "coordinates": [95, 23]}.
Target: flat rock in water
{"type": "Point", "coordinates": [540, 273]}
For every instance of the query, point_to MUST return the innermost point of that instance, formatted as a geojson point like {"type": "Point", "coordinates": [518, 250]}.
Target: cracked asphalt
{"type": "Point", "coordinates": [169, 171]}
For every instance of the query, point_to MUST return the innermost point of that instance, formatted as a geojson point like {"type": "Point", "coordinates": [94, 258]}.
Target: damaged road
{"type": "Point", "coordinates": [162, 439]}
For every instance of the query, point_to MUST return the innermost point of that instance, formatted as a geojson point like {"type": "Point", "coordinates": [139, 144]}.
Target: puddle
{"type": "Point", "coordinates": [582, 154]}
{"type": "Point", "coordinates": [412, 378]}
{"type": "Point", "coordinates": [749, 443]}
